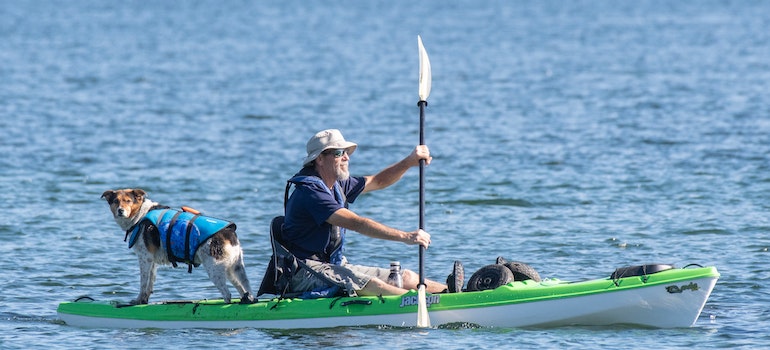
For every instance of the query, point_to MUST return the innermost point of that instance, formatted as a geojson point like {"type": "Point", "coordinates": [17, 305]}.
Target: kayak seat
{"type": "Point", "coordinates": [282, 265]}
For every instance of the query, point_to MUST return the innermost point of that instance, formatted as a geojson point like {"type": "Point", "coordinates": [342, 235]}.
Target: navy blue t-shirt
{"type": "Point", "coordinates": [305, 228]}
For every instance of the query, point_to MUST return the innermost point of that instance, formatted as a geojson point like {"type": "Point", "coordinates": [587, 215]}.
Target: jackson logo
{"type": "Point", "coordinates": [678, 289]}
{"type": "Point", "coordinates": [412, 300]}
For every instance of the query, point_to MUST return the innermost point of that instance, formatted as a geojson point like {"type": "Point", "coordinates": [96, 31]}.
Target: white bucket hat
{"type": "Point", "coordinates": [323, 140]}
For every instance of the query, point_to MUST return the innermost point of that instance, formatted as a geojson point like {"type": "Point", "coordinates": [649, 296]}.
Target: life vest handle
{"type": "Point", "coordinates": [191, 210]}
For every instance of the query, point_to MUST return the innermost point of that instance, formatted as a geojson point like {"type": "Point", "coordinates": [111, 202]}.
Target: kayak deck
{"type": "Point", "coordinates": [671, 298]}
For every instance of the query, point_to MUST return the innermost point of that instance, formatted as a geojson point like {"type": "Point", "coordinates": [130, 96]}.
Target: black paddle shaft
{"type": "Point", "coordinates": [422, 105]}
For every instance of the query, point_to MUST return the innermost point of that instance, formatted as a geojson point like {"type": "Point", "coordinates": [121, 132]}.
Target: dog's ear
{"type": "Point", "coordinates": [109, 195]}
{"type": "Point", "coordinates": [139, 194]}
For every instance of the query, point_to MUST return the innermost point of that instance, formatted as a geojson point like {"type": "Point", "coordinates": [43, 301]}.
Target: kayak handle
{"type": "Point", "coordinates": [356, 302]}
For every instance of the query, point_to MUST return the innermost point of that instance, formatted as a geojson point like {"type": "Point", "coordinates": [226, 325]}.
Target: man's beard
{"type": "Point", "coordinates": [342, 174]}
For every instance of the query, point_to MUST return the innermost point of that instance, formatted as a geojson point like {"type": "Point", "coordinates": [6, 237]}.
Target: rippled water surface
{"type": "Point", "coordinates": [576, 136]}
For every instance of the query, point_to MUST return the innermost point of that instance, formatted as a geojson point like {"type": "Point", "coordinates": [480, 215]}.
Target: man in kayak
{"type": "Point", "coordinates": [317, 217]}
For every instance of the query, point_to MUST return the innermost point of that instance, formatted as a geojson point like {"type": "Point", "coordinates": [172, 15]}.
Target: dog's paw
{"type": "Point", "coordinates": [248, 299]}
{"type": "Point", "coordinates": [139, 301]}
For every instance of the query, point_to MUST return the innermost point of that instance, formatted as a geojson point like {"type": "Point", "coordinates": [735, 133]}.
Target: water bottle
{"type": "Point", "coordinates": [395, 278]}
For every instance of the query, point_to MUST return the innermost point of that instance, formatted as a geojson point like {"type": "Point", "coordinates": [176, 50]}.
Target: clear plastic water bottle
{"type": "Point", "coordinates": [395, 278]}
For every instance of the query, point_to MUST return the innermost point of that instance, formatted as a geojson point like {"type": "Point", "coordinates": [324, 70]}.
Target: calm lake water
{"type": "Point", "coordinates": [575, 136]}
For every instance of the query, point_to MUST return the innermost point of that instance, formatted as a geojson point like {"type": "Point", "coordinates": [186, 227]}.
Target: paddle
{"type": "Point", "coordinates": [424, 90]}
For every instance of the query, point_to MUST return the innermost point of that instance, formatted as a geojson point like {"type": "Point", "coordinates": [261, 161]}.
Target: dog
{"type": "Point", "coordinates": [220, 254]}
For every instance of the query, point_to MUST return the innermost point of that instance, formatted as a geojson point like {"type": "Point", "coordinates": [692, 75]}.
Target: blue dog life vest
{"type": "Point", "coordinates": [181, 232]}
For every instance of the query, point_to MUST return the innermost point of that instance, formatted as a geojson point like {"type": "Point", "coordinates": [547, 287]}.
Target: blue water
{"type": "Point", "coordinates": [575, 136]}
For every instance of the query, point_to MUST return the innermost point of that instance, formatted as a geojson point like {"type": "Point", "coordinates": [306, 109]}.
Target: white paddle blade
{"type": "Point", "coordinates": [425, 77]}
{"type": "Point", "coordinates": [423, 321]}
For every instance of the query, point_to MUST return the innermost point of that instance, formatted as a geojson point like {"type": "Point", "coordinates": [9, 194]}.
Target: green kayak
{"type": "Point", "coordinates": [669, 298]}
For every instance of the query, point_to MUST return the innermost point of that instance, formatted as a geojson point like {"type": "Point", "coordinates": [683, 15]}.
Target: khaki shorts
{"type": "Point", "coordinates": [350, 277]}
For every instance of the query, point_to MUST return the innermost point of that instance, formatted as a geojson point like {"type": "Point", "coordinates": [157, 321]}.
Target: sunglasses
{"type": "Point", "coordinates": [336, 152]}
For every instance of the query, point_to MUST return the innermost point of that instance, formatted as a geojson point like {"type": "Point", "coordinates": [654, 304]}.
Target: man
{"type": "Point", "coordinates": [317, 217]}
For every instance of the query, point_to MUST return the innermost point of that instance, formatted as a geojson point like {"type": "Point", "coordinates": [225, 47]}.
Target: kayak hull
{"type": "Point", "coordinates": [667, 299]}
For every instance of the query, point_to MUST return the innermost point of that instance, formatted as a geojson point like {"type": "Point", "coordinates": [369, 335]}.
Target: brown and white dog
{"type": "Point", "coordinates": [221, 254]}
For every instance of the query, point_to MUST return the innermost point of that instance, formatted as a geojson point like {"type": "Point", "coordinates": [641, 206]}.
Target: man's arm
{"type": "Point", "coordinates": [393, 173]}
{"type": "Point", "coordinates": [346, 218]}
